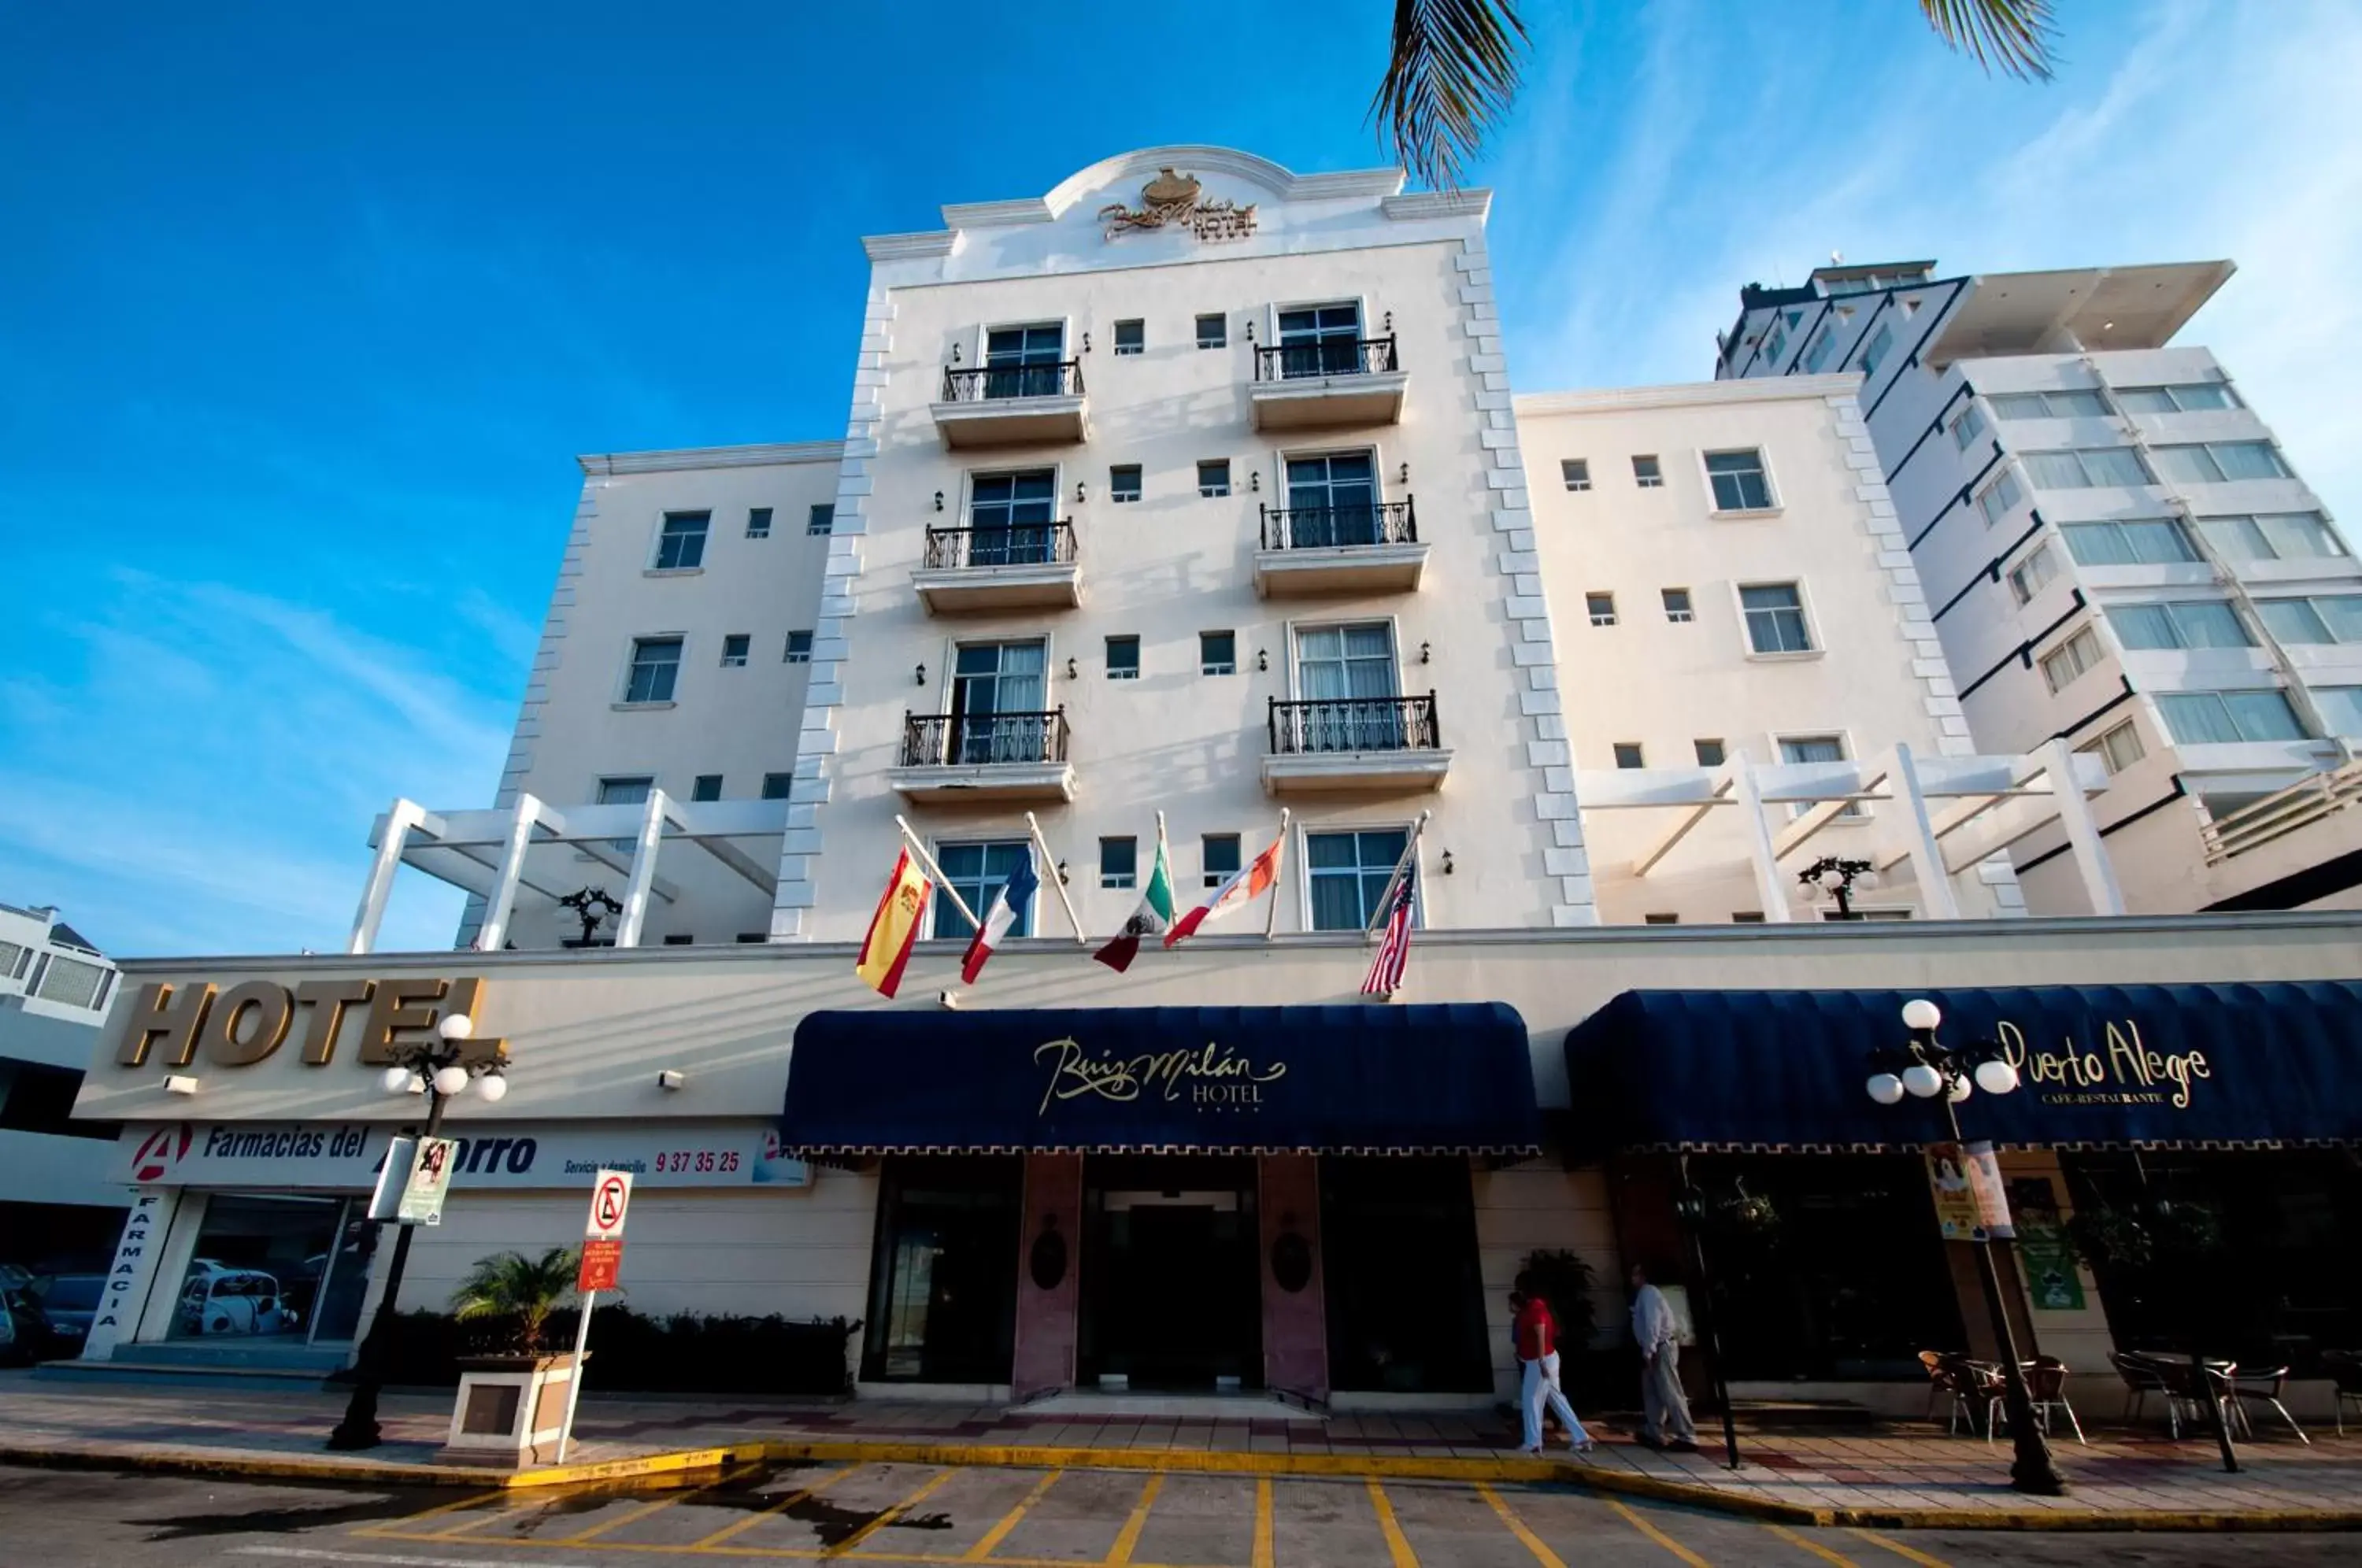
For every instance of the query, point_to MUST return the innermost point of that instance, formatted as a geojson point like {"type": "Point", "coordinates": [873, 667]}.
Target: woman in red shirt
{"type": "Point", "coordinates": [1536, 1330]}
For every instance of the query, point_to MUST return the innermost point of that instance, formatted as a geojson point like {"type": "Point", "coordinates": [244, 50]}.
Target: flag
{"type": "Point", "coordinates": [1385, 975]}
{"type": "Point", "coordinates": [1243, 888]}
{"type": "Point", "coordinates": [1006, 914]}
{"type": "Point", "coordinates": [894, 927]}
{"type": "Point", "coordinates": [1152, 918]}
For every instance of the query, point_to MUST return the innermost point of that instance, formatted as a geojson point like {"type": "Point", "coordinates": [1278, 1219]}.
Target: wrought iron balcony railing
{"type": "Point", "coordinates": [1329, 527]}
{"type": "Point", "coordinates": [1326, 357]}
{"type": "Point", "coordinates": [1354, 724]}
{"type": "Point", "coordinates": [988, 383]}
{"type": "Point", "coordinates": [1015, 544]}
{"type": "Point", "coordinates": [970, 740]}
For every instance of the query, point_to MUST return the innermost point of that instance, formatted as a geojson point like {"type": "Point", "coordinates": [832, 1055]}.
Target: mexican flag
{"type": "Point", "coordinates": [1152, 918]}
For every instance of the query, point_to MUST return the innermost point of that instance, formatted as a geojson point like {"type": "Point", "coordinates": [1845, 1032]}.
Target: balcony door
{"type": "Point", "coordinates": [1022, 362]}
{"type": "Point", "coordinates": [1011, 517]}
{"type": "Point", "coordinates": [1332, 500]}
{"type": "Point", "coordinates": [998, 692]}
{"type": "Point", "coordinates": [1346, 676]}
{"type": "Point", "coordinates": [1321, 340]}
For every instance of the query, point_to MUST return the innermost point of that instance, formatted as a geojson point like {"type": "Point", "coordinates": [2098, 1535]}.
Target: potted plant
{"type": "Point", "coordinates": [513, 1404]}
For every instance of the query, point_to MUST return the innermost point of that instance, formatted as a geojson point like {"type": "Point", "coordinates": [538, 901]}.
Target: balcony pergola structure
{"type": "Point", "coordinates": [1954, 811]}
{"type": "Point", "coordinates": [533, 846]}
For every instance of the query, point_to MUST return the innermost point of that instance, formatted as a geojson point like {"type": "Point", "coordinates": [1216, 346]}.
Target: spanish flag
{"type": "Point", "coordinates": [894, 927]}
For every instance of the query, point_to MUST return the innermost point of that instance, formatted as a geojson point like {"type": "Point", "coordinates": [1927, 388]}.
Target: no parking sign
{"type": "Point", "coordinates": [602, 1240]}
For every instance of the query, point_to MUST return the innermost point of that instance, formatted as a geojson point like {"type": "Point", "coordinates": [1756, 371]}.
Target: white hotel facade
{"type": "Point", "coordinates": [1198, 488]}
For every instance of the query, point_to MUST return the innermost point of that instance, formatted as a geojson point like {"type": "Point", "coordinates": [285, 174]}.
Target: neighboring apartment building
{"type": "Point", "coordinates": [62, 1193]}
{"type": "Point", "coordinates": [2117, 553]}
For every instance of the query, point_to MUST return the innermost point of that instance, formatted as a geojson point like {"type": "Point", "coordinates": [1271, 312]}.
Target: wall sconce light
{"type": "Point", "coordinates": [1447, 863]}
{"type": "Point", "coordinates": [1080, 494]}
{"type": "Point", "coordinates": [180, 1083]}
{"type": "Point", "coordinates": [1406, 474]}
{"type": "Point", "coordinates": [939, 501]}
{"type": "Point", "coordinates": [956, 359]}
{"type": "Point", "coordinates": [922, 675]}
{"type": "Point", "coordinates": [1071, 671]}
{"type": "Point", "coordinates": [1063, 877]}
{"type": "Point", "coordinates": [669, 1079]}
{"type": "Point", "coordinates": [1426, 652]}
{"type": "Point", "coordinates": [1390, 321]}
{"type": "Point", "coordinates": [1087, 342]}
{"type": "Point", "coordinates": [1254, 480]}
{"type": "Point", "coordinates": [1263, 659]}
{"type": "Point", "coordinates": [1251, 338]}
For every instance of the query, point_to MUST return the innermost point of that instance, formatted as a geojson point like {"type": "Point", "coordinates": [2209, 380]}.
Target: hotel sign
{"type": "Point", "coordinates": [1213, 1078]}
{"type": "Point", "coordinates": [1176, 201]}
{"type": "Point", "coordinates": [172, 1024]}
{"type": "Point", "coordinates": [347, 1157]}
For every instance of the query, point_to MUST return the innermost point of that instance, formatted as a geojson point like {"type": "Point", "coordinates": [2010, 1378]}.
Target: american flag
{"type": "Point", "coordinates": [1385, 975]}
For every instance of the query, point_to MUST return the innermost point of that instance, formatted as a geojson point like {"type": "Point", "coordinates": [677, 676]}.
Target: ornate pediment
{"type": "Point", "coordinates": [1175, 201]}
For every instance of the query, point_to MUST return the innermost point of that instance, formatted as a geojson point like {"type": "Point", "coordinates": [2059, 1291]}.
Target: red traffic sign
{"type": "Point", "coordinates": [610, 1199]}
{"type": "Point", "coordinates": [602, 1263]}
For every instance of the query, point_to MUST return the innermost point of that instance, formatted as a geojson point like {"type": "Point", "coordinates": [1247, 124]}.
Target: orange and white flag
{"type": "Point", "coordinates": [1246, 885]}
{"type": "Point", "coordinates": [894, 927]}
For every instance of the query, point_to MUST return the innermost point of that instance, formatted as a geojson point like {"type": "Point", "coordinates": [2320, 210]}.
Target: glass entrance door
{"type": "Point", "coordinates": [1171, 1287]}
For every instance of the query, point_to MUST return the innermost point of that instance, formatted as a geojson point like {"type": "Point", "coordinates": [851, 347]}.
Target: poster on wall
{"type": "Point", "coordinates": [1947, 1182]}
{"type": "Point", "coordinates": [349, 1156]}
{"type": "Point", "coordinates": [2044, 1255]}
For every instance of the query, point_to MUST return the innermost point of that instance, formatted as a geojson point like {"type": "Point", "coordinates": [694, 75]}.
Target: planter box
{"type": "Point", "coordinates": [511, 1411]}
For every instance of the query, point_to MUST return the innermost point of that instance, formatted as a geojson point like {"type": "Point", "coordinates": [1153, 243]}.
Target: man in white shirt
{"type": "Point", "coordinates": [1665, 1411]}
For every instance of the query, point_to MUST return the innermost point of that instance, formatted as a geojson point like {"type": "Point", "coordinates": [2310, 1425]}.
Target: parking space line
{"type": "Point", "coordinates": [1397, 1548]}
{"type": "Point", "coordinates": [1526, 1538]}
{"type": "Point", "coordinates": [1814, 1547]}
{"type": "Point", "coordinates": [1265, 1553]}
{"type": "Point", "coordinates": [1121, 1553]}
{"type": "Point", "coordinates": [782, 1506]}
{"type": "Point", "coordinates": [1009, 1521]}
{"type": "Point", "coordinates": [891, 1515]}
{"type": "Point", "coordinates": [1896, 1547]}
{"type": "Point", "coordinates": [628, 1517]}
{"type": "Point", "coordinates": [393, 1531]}
{"type": "Point", "coordinates": [1659, 1537]}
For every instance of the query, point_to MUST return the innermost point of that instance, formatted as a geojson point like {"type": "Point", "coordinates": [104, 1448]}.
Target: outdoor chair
{"type": "Point", "coordinates": [2046, 1380]}
{"type": "Point", "coordinates": [2141, 1380]}
{"type": "Point", "coordinates": [2264, 1387]}
{"type": "Point", "coordinates": [1976, 1389]}
{"type": "Point", "coordinates": [2183, 1395]}
{"type": "Point", "coordinates": [2345, 1368]}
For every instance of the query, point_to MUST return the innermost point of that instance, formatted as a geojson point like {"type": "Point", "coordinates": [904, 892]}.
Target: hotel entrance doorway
{"type": "Point", "coordinates": [1171, 1290]}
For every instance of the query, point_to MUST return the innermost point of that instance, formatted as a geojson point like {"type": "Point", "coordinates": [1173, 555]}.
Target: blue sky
{"type": "Point", "coordinates": [304, 312]}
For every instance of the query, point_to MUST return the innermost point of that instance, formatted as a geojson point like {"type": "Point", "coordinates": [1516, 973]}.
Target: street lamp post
{"type": "Point", "coordinates": [437, 1070]}
{"type": "Point", "coordinates": [1690, 1204]}
{"type": "Point", "coordinates": [1936, 1072]}
{"type": "Point", "coordinates": [1836, 876]}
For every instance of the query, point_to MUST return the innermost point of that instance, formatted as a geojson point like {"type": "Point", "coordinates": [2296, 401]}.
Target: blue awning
{"type": "Point", "coordinates": [1455, 1078]}
{"type": "Point", "coordinates": [2100, 1065]}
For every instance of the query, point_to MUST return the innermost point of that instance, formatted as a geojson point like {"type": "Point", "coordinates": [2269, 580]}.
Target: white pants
{"type": "Point", "coordinates": [1665, 1409]}
{"type": "Point", "coordinates": [1541, 1387]}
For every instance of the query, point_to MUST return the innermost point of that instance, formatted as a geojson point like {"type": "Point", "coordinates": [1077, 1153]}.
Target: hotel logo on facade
{"type": "Point", "coordinates": [1211, 1077]}
{"type": "Point", "coordinates": [173, 1023]}
{"type": "Point", "coordinates": [1176, 201]}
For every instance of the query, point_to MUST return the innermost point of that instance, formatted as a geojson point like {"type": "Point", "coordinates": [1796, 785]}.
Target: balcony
{"type": "Point", "coordinates": [949, 760]}
{"type": "Point", "coordinates": [1023, 565]}
{"type": "Point", "coordinates": [1011, 406]}
{"type": "Point", "coordinates": [1313, 551]}
{"type": "Point", "coordinates": [1328, 382]}
{"type": "Point", "coordinates": [1355, 745]}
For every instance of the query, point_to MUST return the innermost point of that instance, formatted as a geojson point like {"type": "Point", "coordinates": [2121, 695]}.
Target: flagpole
{"type": "Point", "coordinates": [1051, 861]}
{"type": "Point", "coordinates": [927, 862]}
{"type": "Point", "coordinates": [1271, 914]}
{"type": "Point", "coordinates": [1409, 855]}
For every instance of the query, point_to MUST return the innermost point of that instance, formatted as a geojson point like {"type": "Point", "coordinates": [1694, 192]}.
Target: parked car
{"type": "Point", "coordinates": [24, 1333]}
{"type": "Point", "coordinates": [70, 1301]}
{"type": "Point", "coordinates": [218, 1300]}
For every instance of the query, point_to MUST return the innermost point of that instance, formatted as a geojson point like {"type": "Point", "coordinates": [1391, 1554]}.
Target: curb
{"type": "Point", "coordinates": [374, 1472]}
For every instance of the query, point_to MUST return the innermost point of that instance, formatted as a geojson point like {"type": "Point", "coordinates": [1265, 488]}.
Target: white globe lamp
{"type": "Point", "coordinates": [1961, 1089]}
{"type": "Point", "coordinates": [396, 1080]}
{"type": "Point", "coordinates": [1997, 1077]}
{"type": "Point", "coordinates": [450, 1080]}
{"type": "Point", "coordinates": [1885, 1089]}
{"type": "Point", "coordinates": [454, 1026]}
{"type": "Point", "coordinates": [1923, 1081]}
{"type": "Point", "coordinates": [1921, 1013]}
{"type": "Point", "coordinates": [492, 1085]}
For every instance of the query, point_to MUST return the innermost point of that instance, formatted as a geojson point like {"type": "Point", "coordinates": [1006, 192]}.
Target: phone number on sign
{"type": "Point", "coordinates": [722, 1160]}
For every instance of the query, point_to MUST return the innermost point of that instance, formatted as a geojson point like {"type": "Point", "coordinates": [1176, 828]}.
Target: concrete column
{"type": "Point", "coordinates": [1049, 1248]}
{"type": "Point", "coordinates": [1294, 1322]}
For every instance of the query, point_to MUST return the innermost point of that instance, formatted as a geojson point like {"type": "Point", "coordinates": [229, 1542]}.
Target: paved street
{"type": "Point", "coordinates": [1015, 1519]}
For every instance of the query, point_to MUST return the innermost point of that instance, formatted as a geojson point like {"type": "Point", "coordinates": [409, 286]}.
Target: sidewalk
{"type": "Point", "coordinates": [1900, 1476]}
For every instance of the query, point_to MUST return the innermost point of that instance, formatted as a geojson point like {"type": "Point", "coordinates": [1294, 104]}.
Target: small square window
{"type": "Point", "coordinates": [655, 665]}
{"type": "Point", "coordinates": [800, 647]}
{"type": "Point", "coordinates": [1677, 604]}
{"type": "Point", "coordinates": [1741, 483]}
{"type": "Point", "coordinates": [734, 650]}
{"type": "Point", "coordinates": [680, 545]}
{"type": "Point", "coordinates": [1747, 917]}
{"type": "Point", "coordinates": [1217, 653]}
{"type": "Point", "coordinates": [1218, 857]}
{"type": "Point", "coordinates": [1213, 331]}
{"type": "Point", "coordinates": [1123, 482]}
{"type": "Point", "coordinates": [1710, 753]}
{"type": "Point", "coordinates": [1214, 478]}
{"type": "Point", "coordinates": [823, 519]}
{"type": "Point", "coordinates": [1575, 471]}
{"type": "Point", "coordinates": [1131, 337]}
{"type": "Point", "coordinates": [1628, 754]}
{"type": "Point", "coordinates": [1774, 613]}
{"type": "Point", "coordinates": [777, 786]}
{"type": "Point", "coordinates": [706, 787]}
{"type": "Point", "coordinates": [1124, 658]}
{"type": "Point", "coordinates": [680, 939]}
{"type": "Point", "coordinates": [1602, 607]}
{"type": "Point", "coordinates": [1662, 919]}
{"type": "Point", "coordinates": [1119, 862]}
{"type": "Point", "coordinates": [750, 937]}
{"type": "Point", "coordinates": [1647, 474]}
{"type": "Point", "coordinates": [758, 522]}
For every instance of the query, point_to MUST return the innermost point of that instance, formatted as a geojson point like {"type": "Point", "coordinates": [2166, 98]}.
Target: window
{"type": "Point", "coordinates": [1213, 478]}
{"type": "Point", "coordinates": [1747, 917]}
{"type": "Point", "coordinates": [2118, 749]}
{"type": "Point", "coordinates": [1602, 607]}
{"type": "Point", "coordinates": [2331, 620]}
{"type": "Point", "coordinates": [1817, 352]}
{"type": "Point", "coordinates": [1131, 337]}
{"type": "Point", "coordinates": [1011, 518]}
{"type": "Point", "coordinates": [1321, 340]}
{"type": "Point", "coordinates": [1818, 748]}
{"type": "Point", "coordinates": [2085, 468]}
{"type": "Point", "coordinates": [2048, 404]}
{"type": "Point", "coordinates": [656, 662]}
{"type": "Point", "coordinates": [2186, 398]}
{"type": "Point", "coordinates": [1575, 471]}
{"type": "Point", "coordinates": [680, 545]}
{"type": "Point", "coordinates": [800, 647]}
{"type": "Point", "coordinates": [2062, 665]}
{"type": "Point", "coordinates": [680, 939]}
{"type": "Point", "coordinates": [2219, 462]}
{"type": "Point", "coordinates": [1124, 658]}
{"type": "Point", "coordinates": [2133, 541]}
{"type": "Point", "coordinates": [758, 522]}
{"type": "Point", "coordinates": [1775, 343]}
{"type": "Point", "coordinates": [1998, 498]}
{"type": "Point", "coordinates": [1678, 609]}
{"type": "Point", "coordinates": [1661, 920]}
{"type": "Point", "coordinates": [706, 787]}
{"type": "Point", "coordinates": [1349, 873]}
{"type": "Point", "coordinates": [1218, 857]}
{"type": "Point", "coordinates": [1647, 474]}
{"type": "Point", "coordinates": [2028, 577]}
{"type": "Point", "coordinates": [1217, 653]}
{"type": "Point", "coordinates": [1739, 479]}
{"type": "Point", "coordinates": [1628, 754]}
{"type": "Point", "coordinates": [976, 872]}
{"type": "Point", "coordinates": [1968, 426]}
{"type": "Point", "coordinates": [629, 791]}
{"type": "Point", "coordinates": [822, 519]}
{"type": "Point", "coordinates": [1875, 353]}
{"type": "Point", "coordinates": [1710, 753]}
{"type": "Point", "coordinates": [1119, 862]}
{"type": "Point", "coordinates": [1332, 500]}
{"type": "Point", "coordinates": [1024, 362]}
{"type": "Point", "coordinates": [70, 983]}
{"type": "Point", "coordinates": [1775, 618]}
{"type": "Point", "coordinates": [2184, 624]}
{"type": "Point", "coordinates": [1000, 701]}
{"type": "Point", "coordinates": [2221, 718]}
{"type": "Point", "coordinates": [2273, 536]}
{"type": "Point", "coordinates": [1123, 482]}
{"type": "Point", "coordinates": [1213, 332]}
{"type": "Point", "coordinates": [2341, 709]}
{"type": "Point", "coordinates": [777, 786]}
{"type": "Point", "coordinates": [734, 650]}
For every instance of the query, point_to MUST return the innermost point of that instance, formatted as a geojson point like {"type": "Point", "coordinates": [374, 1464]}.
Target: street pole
{"type": "Point", "coordinates": [1710, 1323]}
{"type": "Point", "coordinates": [2034, 1468]}
{"type": "Point", "coordinates": [359, 1428]}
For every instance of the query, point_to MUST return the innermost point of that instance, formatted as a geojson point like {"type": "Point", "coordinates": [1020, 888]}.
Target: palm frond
{"type": "Point", "coordinates": [2011, 36]}
{"type": "Point", "coordinates": [1453, 73]}
{"type": "Point", "coordinates": [510, 1284]}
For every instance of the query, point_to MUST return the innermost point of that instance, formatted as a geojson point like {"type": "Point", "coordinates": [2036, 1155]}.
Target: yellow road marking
{"type": "Point", "coordinates": [1265, 1554]}
{"type": "Point", "coordinates": [889, 1516]}
{"type": "Point", "coordinates": [629, 1515]}
{"type": "Point", "coordinates": [1121, 1553]}
{"type": "Point", "coordinates": [1896, 1547]}
{"type": "Point", "coordinates": [1526, 1538]}
{"type": "Point", "coordinates": [1659, 1537]}
{"type": "Point", "coordinates": [469, 1501]}
{"type": "Point", "coordinates": [1396, 1547]}
{"type": "Point", "coordinates": [782, 1506]}
{"type": "Point", "coordinates": [1009, 1521]}
{"type": "Point", "coordinates": [1814, 1547]}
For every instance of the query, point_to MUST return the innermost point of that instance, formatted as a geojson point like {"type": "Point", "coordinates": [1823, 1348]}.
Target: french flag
{"type": "Point", "coordinates": [1009, 908]}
